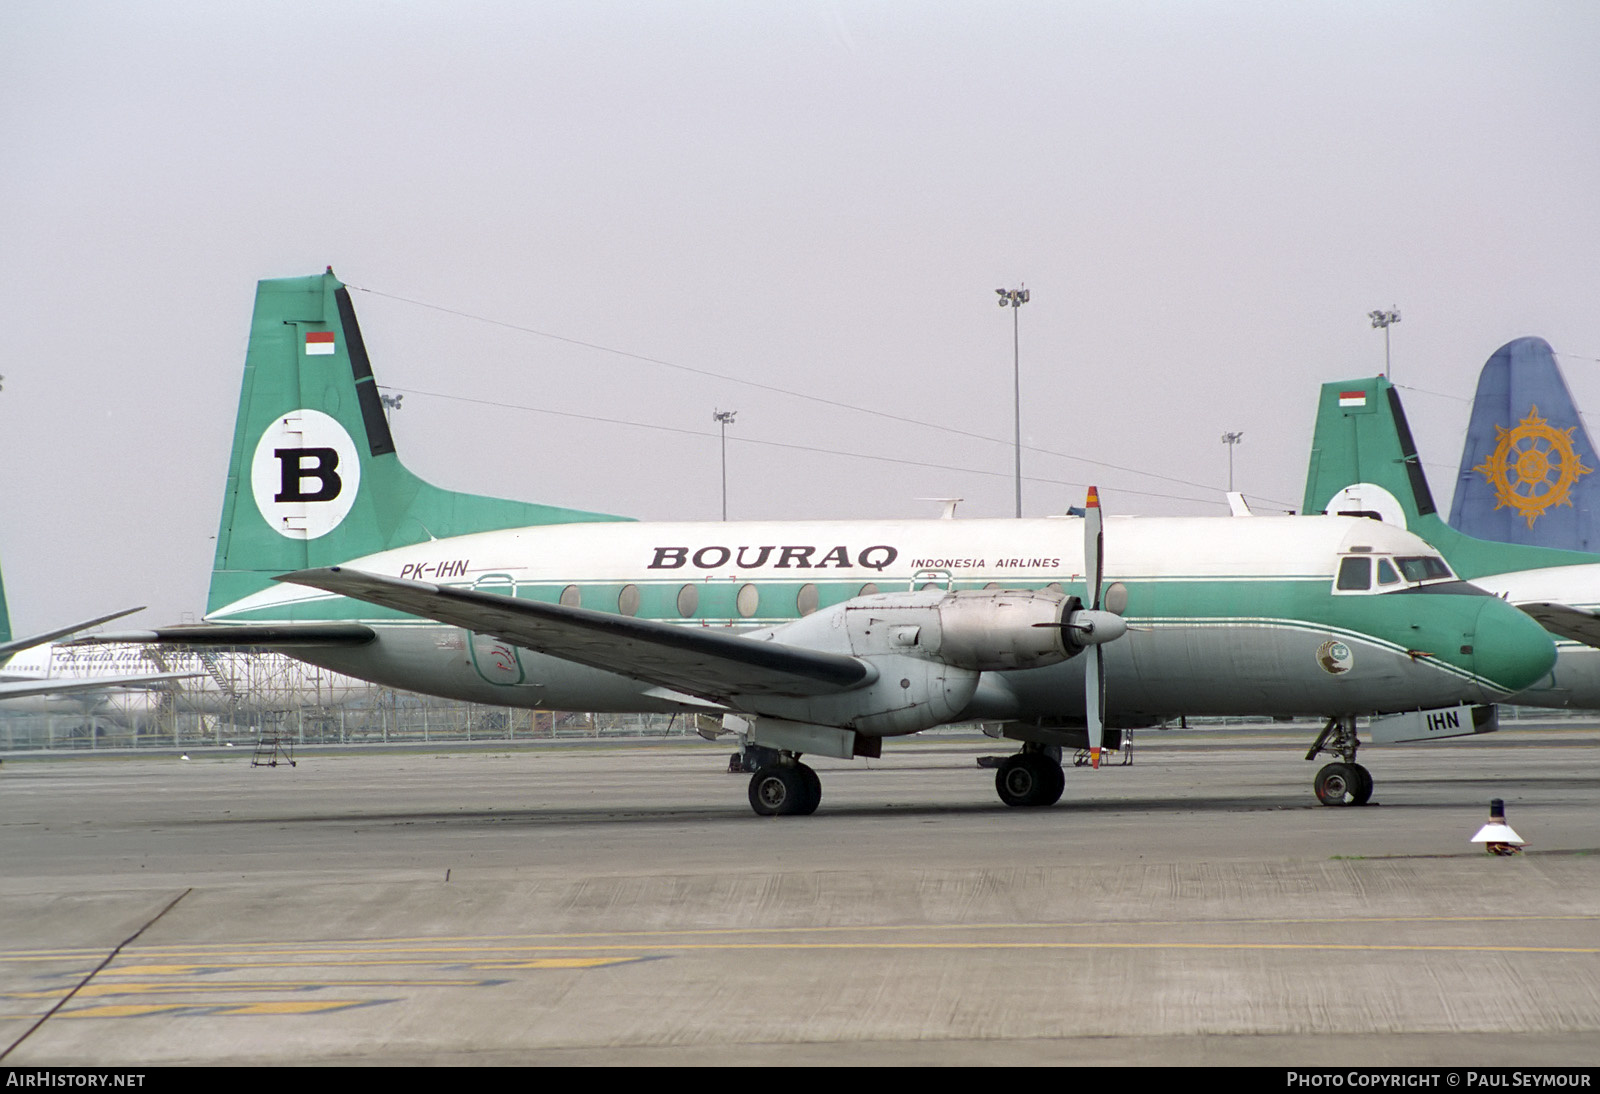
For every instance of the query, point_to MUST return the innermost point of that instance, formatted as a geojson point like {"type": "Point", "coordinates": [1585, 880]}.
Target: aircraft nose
{"type": "Point", "coordinates": [1510, 648]}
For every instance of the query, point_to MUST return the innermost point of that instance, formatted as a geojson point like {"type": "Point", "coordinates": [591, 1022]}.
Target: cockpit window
{"type": "Point", "coordinates": [1355, 574]}
{"type": "Point", "coordinates": [1423, 568]}
{"type": "Point", "coordinates": [1386, 574]}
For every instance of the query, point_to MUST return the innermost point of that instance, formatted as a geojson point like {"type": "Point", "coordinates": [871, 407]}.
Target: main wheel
{"type": "Point", "coordinates": [1341, 784]}
{"type": "Point", "coordinates": [785, 790]}
{"type": "Point", "coordinates": [1029, 779]}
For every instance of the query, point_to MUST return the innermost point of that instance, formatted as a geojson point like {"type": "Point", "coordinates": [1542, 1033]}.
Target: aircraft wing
{"type": "Point", "coordinates": [13, 646]}
{"type": "Point", "coordinates": [261, 636]}
{"type": "Point", "coordinates": [62, 685]}
{"type": "Point", "coordinates": [707, 663]}
{"type": "Point", "coordinates": [1576, 624]}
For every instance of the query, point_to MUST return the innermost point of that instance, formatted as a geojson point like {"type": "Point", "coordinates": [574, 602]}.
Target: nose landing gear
{"type": "Point", "coordinates": [1345, 782]}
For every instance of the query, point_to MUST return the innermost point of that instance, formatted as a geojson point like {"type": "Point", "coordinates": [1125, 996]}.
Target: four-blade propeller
{"type": "Point", "coordinates": [1092, 627]}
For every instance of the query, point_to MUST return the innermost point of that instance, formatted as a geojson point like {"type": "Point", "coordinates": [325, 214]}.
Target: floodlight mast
{"type": "Point", "coordinates": [1231, 439]}
{"type": "Point", "coordinates": [724, 418]}
{"type": "Point", "coordinates": [1385, 319]}
{"type": "Point", "coordinates": [1015, 298]}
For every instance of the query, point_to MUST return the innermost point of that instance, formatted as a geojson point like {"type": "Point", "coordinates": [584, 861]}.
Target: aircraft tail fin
{"type": "Point", "coordinates": [1363, 460]}
{"type": "Point", "coordinates": [1527, 464]}
{"type": "Point", "coordinates": [314, 478]}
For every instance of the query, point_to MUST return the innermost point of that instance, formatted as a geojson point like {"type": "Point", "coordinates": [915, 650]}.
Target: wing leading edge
{"type": "Point", "coordinates": [701, 662]}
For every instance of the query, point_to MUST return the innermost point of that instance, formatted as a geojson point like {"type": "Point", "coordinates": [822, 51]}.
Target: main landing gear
{"type": "Point", "coordinates": [1344, 782]}
{"type": "Point", "coordinates": [1031, 777]}
{"type": "Point", "coordinates": [786, 788]}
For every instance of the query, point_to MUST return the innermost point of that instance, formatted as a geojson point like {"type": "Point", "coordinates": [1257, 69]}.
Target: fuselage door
{"type": "Point", "coordinates": [495, 659]}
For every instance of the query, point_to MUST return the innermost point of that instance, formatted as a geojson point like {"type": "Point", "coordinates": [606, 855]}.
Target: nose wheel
{"type": "Point", "coordinates": [1344, 782]}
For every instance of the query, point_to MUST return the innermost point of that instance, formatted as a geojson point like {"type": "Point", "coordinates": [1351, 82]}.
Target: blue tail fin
{"type": "Point", "coordinates": [1528, 469]}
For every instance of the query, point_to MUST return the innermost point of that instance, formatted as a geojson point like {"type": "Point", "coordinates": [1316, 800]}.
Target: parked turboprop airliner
{"type": "Point", "coordinates": [822, 637]}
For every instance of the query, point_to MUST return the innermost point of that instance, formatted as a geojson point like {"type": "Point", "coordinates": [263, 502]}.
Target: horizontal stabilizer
{"type": "Point", "coordinates": [60, 685]}
{"type": "Point", "coordinates": [50, 636]}
{"type": "Point", "coordinates": [261, 636]}
{"type": "Point", "coordinates": [702, 662]}
{"type": "Point", "coordinates": [1576, 624]}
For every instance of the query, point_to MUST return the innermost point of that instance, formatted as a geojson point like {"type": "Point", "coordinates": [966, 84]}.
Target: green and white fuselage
{"type": "Point", "coordinates": [1230, 615]}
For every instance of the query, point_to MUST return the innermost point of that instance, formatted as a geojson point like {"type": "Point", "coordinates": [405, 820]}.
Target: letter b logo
{"type": "Point", "coordinates": [296, 472]}
{"type": "Point", "coordinates": [305, 474]}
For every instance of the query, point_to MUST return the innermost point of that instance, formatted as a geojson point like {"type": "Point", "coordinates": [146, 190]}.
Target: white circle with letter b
{"type": "Point", "coordinates": [305, 474]}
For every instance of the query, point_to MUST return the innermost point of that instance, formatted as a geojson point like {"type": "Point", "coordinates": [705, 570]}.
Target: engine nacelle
{"type": "Point", "coordinates": [928, 649]}
{"type": "Point", "coordinates": [996, 629]}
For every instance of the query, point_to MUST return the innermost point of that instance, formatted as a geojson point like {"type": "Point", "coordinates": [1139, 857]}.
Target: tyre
{"type": "Point", "coordinates": [1361, 794]}
{"type": "Point", "coordinates": [778, 790]}
{"type": "Point", "coordinates": [1029, 779]}
{"type": "Point", "coordinates": [813, 786]}
{"type": "Point", "coordinates": [1337, 784]}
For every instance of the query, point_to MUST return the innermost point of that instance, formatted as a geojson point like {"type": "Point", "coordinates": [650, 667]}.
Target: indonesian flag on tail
{"type": "Point", "coordinates": [319, 343]}
{"type": "Point", "coordinates": [1350, 398]}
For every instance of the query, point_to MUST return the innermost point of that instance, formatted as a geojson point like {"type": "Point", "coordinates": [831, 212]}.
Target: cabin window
{"type": "Point", "coordinates": [688, 600]}
{"type": "Point", "coordinates": [628, 600]}
{"type": "Point", "coordinates": [748, 600]}
{"type": "Point", "coordinates": [572, 596]}
{"type": "Point", "coordinates": [807, 599]}
{"type": "Point", "coordinates": [1355, 575]}
{"type": "Point", "coordinates": [1386, 574]}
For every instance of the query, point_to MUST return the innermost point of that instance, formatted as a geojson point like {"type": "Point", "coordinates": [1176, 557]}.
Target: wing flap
{"type": "Point", "coordinates": [703, 662]}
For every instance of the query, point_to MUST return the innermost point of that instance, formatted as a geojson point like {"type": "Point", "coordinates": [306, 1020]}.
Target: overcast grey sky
{"type": "Point", "coordinates": [1205, 200]}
